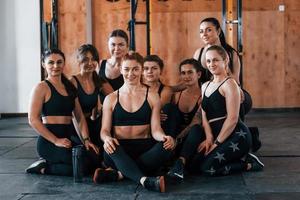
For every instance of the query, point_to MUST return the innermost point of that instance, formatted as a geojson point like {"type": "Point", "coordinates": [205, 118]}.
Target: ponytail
{"type": "Point", "coordinates": [71, 89]}
{"type": "Point", "coordinates": [229, 49]}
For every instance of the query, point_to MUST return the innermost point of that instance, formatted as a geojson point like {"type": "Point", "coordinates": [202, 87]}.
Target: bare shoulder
{"type": "Point", "coordinates": [111, 99]}
{"type": "Point", "coordinates": [153, 98]}
{"type": "Point", "coordinates": [229, 85]}
{"type": "Point", "coordinates": [41, 86]}
{"type": "Point", "coordinates": [40, 90]}
{"type": "Point", "coordinates": [231, 82]}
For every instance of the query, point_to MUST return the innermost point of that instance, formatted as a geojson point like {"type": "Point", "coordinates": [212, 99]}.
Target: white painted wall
{"type": "Point", "coordinates": [19, 53]}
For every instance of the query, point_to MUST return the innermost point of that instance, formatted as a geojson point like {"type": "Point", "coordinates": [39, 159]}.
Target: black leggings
{"type": "Point", "coordinates": [59, 159]}
{"type": "Point", "coordinates": [135, 158]}
{"type": "Point", "coordinates": [94, 127]}
{"type": "Point", "coordinates": [225, 158]}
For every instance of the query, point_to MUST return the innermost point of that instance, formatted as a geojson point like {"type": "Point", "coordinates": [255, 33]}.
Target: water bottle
{"type": "Point", "coordinates": [77, 160]}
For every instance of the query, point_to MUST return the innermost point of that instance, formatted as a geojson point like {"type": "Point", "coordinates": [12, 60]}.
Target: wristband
{"type": "Point", "coordinates": [85, 139]}
{"type": "Point", "coordinates": [217, 142]}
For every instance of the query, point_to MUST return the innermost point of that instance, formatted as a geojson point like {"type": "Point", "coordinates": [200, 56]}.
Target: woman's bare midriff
{"type": "Point", "coordinates": [132, 132]}
{"type": "Point", "coordinates": [57, 120]}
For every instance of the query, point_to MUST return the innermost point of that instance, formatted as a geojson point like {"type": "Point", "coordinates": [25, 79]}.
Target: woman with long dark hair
{"type": "Point", "coordinates": [109, 69]}
{"type": "Point", "coordinates": [221, 144]}
{"type": "Point", "coordinates": [212, 34]}
{"type": "Point", "coordinates": [52, 104]}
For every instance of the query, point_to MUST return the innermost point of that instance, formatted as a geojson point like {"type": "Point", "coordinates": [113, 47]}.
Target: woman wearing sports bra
{"type": "Point", "coordinates": [226, 140]}
{"type": "Point", "coordinates": [110, 68]}
{"type": "Point", "coordinates": [89, 85]}
{"type": "Point", "coordinates": [188, 100]}
{"type": "Point", "coordinates": [134, 143]}
{"type": "Point", "coordinates": [152, 70]}
{"type": "Point", "coordinates": [55, 99]}
{"type": "Point", "coordinates": [212, 34]}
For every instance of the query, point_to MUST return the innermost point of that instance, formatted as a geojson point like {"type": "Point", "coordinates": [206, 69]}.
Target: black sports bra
{"type": "Point", "coordinates": [214, 105]}
{"type": "Point", "coordinates": [87, 101]}
{"type": "Point", "coordinates": [121, 117]}
{"type": "Point", "coordinates": [115, 83]}
{"type": "Point", "coordinates": [57, 105]}
{"type": "Point", "coordinates": [187, 118]}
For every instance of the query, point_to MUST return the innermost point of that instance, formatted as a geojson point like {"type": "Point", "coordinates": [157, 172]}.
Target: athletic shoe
{"type": "Point", "coordinates": [256, 164]}
{"type": "Point", "coordinates": [177, 171]}
{"type": "Point", "coordinates": [105, 175]}
{"type": "Point", "coordinates": [156, 184]}
{"type": "Point", "coordinates": [36, 167]}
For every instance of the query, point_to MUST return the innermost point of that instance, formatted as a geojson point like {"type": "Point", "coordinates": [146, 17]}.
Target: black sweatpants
{"type": "Point", "coordinates": [136, 158]}
{"type": "Point", "coordinates": [225, 158]}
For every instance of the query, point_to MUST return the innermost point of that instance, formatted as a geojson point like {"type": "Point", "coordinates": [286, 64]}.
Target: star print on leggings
{"type": "Point", "coordinates": [234, 146]}
{"type": "Point", "coordinates": [212, 171]}
{"type": "Point", "coordinates": [227, 170]}
{"type": "Point", "coordinates": [219, 156]}
{"type": "Point", "coordinates": [241, 133]}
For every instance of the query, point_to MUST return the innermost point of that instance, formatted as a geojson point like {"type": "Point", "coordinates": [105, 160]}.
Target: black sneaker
{"type": "Point", "coordinates": [36, 167]}
{"type": "Point", "coordinates": [177, 171]}
{"type": "Point", "coordinates": [105, 175]}
{"type": "Point", "coordinates": [156, 184]}
{"type": "Point", "coordinates": [256, 164]}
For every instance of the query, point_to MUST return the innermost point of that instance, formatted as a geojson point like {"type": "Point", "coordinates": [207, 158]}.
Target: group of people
{"type": "Point", "coordinates": [134, 126]}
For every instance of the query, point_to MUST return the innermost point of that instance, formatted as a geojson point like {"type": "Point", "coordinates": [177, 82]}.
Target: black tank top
{"type": "Point", "coordinates": [87, 101]}
{"type": "Point", "coordinates": [142, 116]}
{"type": "Point", "coordinates": [115, 83]}
{"type": "Point", "coordinates": [57, 105]}
{"type": "Point", "coordinates": [215, 104]}
{"type": "Point", "coordinates": [187, 118]}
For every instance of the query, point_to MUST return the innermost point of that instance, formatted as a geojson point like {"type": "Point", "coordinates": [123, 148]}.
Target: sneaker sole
{"type": "Point", "coordinates": [96, 175]}
{"type": "Point", "coordinates": [162, 185]}
{"type": "Point", "coordinates": [256, 158]}
{"type": "Point", "coordinates": [34, 165]}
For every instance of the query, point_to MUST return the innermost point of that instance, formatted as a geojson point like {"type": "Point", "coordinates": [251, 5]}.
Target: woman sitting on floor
{"type": "Point", "coordinates": [134, 142]}
{"type": "Point", "coordinates": [51, 106]}
{"type": "Point", "coordinates": [220, 146]}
